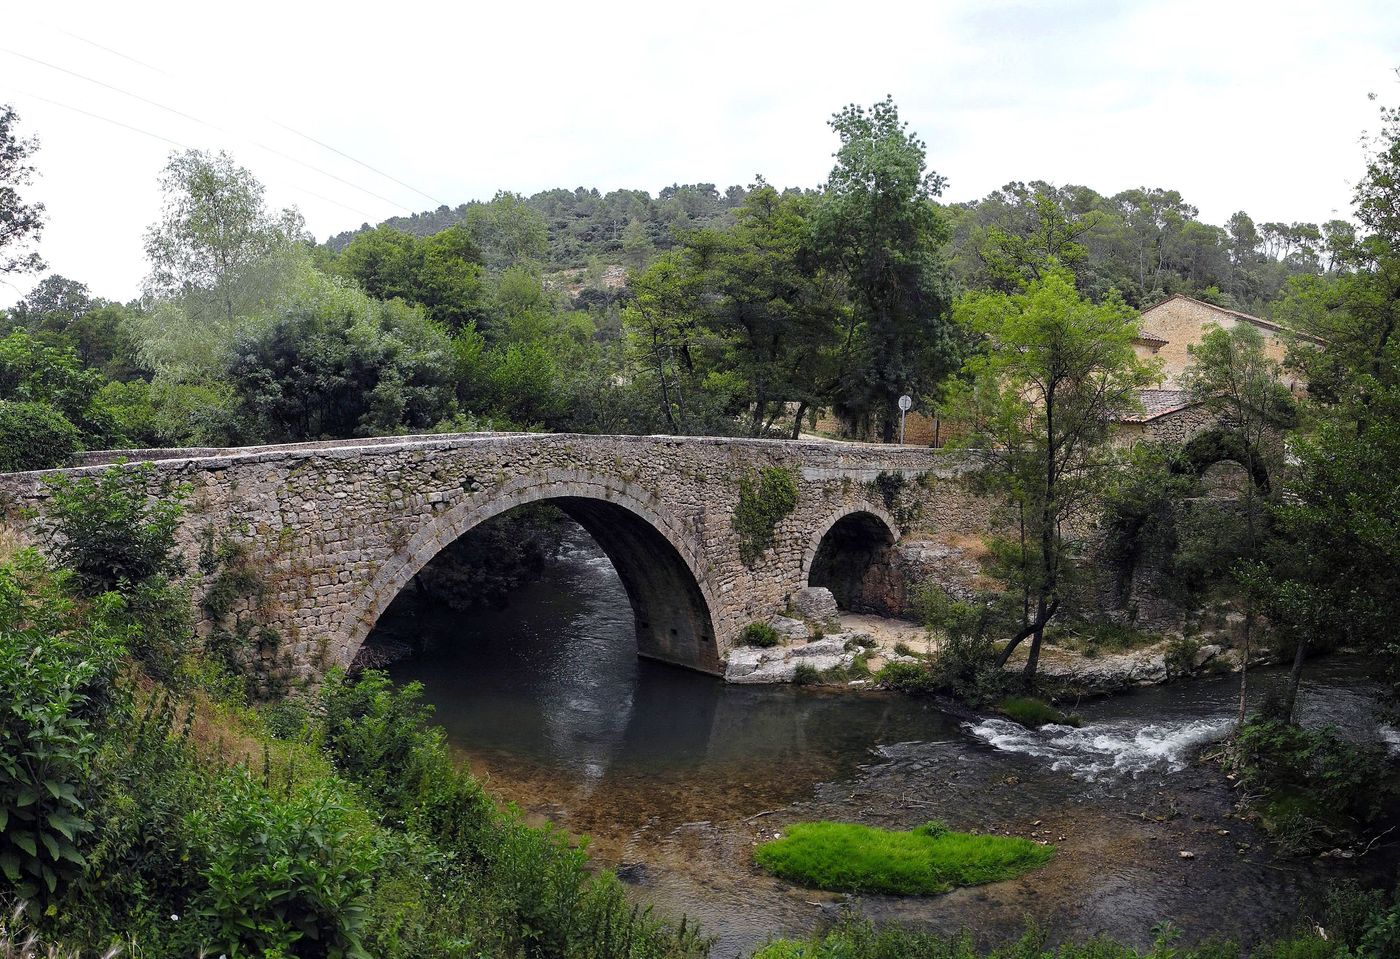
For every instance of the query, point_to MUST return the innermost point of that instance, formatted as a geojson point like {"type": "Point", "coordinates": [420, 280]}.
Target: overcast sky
{"type": "Point", "coordinates": [1254, 106]}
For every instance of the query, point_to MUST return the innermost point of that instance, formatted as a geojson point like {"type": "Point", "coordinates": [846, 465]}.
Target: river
{"type": "Point", "coordinates": [676, 776]}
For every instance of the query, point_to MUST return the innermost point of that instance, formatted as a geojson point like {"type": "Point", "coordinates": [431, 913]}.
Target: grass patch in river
{"type": "Point", "coordinates": [930, 859]}
{"type": "Point", "coordinates": [1034, 713]}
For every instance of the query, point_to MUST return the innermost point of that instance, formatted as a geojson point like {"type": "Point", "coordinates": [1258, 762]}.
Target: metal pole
{"type": "Point", "coordinates": [901, 427]}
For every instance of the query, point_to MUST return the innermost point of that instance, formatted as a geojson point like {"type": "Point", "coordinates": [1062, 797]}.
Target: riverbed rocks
{"type": "Point", "coordinates": [779, 664]}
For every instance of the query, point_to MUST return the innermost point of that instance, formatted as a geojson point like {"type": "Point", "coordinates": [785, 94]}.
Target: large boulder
{"type": "Point", "coordinates": [789, 629]}
{"type": "Point", "coordinates": [815, 604]}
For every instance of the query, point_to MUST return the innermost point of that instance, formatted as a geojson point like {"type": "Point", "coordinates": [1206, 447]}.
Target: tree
{"type": "Point", "coordinates": [215, 239]}
{"type": "Point", "coordinates": [1054, 371]}
{"type": "Point", "coordinates": [336, 363]}
{"type": "Point", "coordinates": [1040, 232]}
{"type": "Point", "coordinates": [1235, 380]}
{"type": "Point", "coordinates": [21, 223]}
{"type": "Point", "coordinates": [877, 225]}
{"type": "Point", "coordinates": [441, 273]}
{"type": "Point", "coordinates": [507, 231]}
{"type": "Point", "coordinates": [1336, 577]}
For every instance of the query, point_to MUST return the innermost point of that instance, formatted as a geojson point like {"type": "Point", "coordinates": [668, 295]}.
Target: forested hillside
{"type": "Point", "coordinates": [1146, 243]}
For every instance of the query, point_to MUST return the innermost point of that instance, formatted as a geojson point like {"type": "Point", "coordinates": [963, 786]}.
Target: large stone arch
{"type": "Point", "coordinates": [844, 547]}
{"type": "Point", "coordinates": [672, 602]}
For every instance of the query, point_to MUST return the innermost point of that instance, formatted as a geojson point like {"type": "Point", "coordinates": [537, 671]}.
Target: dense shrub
{"type": "Point", "coordinates": [35, 436]}
{"type": "Point", "coordinates": [1314, 788]}
{"type": "Point", "coordinates": [759, 634]}
{"type": "Point", "coordinates": [56, 667]}
{"type": "Point", "coordinates": [113, 530]}
{"type": "Point", "coordinates": [286, 877]}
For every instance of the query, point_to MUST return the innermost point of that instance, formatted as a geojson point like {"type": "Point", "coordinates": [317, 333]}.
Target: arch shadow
{"type": "Point", "coordinates": [671, 604]}
{"type": "Point", "coordinates": [843, 551]}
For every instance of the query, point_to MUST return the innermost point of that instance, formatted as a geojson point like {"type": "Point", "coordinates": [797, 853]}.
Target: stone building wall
{"type": "Point", "coordinates": [1183, 322]}
{"type": "Point", "coordinates": [336, 530]}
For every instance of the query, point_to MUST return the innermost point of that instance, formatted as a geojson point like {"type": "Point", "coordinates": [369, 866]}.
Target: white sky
{"type": "Point", "coordinates": [1239, 105]}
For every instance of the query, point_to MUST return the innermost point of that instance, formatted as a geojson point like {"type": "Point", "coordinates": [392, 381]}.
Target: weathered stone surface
{"type": "Point", "coordinates": [827, 646]}
{"type": "Point", "coordinates": [791, 630]}
{"type": "Point", "coordinates": [335, 530]}
{"type": "Point", "coordinates": [815, 604]}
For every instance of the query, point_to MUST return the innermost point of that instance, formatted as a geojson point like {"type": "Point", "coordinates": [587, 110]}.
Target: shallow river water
{"type": "Point", "coordinates": [677, 775]}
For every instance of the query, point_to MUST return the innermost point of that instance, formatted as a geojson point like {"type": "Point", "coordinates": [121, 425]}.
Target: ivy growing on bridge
{"type": "Point", "coordinates": [763, 502]}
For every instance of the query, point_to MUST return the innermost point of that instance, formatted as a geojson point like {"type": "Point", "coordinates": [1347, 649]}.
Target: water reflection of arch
{"type": "Point", "coordinates": [671, 601]}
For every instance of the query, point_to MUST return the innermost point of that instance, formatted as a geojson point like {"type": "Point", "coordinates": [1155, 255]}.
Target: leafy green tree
{"type": "Point", "coordinates": [508, 231]}
{"type": "Point", "coordinates": [35, 436]}
{"type": "Point", "coordinates": [33, 372]}
{"type": "Point", "coordinates": [1234, 379]}
{"type": "Point", "coordinates": [1044, 232]}
{"type": "Point", "coordinates": [1054, 371]}
{"type": "Point", "coordinates": [215, 236]}
{"type": "Point", "coordinates": [336, 363]}
{"type": "Point", "coordinates": [1334, 577]}
{"type": "Point", "coordinates": [21, 223]}
{"type": "Point", "coordinates": [441, 273]}
{"type": "Point", "coordinates": [879, 228]}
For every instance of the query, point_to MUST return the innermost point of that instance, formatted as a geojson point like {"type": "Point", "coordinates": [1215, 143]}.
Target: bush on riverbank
{"type": "Point", "coordinates": [1310, 789]}
{"type": "Point", "coordinates": [931, 859]}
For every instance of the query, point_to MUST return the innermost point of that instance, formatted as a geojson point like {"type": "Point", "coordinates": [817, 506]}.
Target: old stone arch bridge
{"type": "Point", "coordinates": [336, 529]}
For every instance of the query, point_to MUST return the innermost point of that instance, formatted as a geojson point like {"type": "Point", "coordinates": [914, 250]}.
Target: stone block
{"type": "Point", "coordinates": [791, 630]}
{"type": "Point", "coordinates": [815, 604]}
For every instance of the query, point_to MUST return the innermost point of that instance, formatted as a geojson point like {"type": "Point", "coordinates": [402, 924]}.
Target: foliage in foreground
{"type": "Point", "coordinates": [1311, 789]}
{"type": "Point", "coordinates": [167, 814]}
{"type": "Point", "coordinates": [1357, 925]}
{"type": "Point", "coordinates": [930, 859]}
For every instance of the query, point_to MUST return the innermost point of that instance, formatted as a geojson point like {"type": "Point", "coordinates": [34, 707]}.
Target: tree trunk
{"type": "Point", "coordinates": [797, 420]}
{"type": "Point", "coordinates": [1244, 666]}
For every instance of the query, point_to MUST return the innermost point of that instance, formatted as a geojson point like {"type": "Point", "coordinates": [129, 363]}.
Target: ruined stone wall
{"type": "Point", "coordinates": [336, 530]}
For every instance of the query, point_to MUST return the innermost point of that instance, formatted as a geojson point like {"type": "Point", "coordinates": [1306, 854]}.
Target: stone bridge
{"type": "Point", "coordinates": [334, 530]}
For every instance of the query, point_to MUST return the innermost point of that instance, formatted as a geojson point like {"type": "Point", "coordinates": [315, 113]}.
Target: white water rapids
{"type": "Point", "coordinates": [1110, 748]}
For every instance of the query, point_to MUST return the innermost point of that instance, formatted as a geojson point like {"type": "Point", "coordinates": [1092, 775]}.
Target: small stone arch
{"type": "Point", "coordinates": [672, 603]}
{"type": "Point", "coordinates": [844, 548]}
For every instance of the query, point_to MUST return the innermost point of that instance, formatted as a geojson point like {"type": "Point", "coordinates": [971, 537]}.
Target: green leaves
{"type": "Point", "coordinates": [52, 668]}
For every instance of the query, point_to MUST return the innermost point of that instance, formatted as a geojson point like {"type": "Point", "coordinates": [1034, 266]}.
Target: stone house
{"type": "Point", "coordinates": [1168, 330]}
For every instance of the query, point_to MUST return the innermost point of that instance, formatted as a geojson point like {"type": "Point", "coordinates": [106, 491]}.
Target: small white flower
{"type": "Point", "coordinates": [174, 917]}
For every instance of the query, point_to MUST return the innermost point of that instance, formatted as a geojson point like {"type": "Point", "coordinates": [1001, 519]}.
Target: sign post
{"type": "Point", "coordinates": [904, 404]}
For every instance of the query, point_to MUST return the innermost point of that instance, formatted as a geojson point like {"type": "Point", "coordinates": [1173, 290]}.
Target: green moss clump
{"type": "Point", "coordinates": [845, 857]}
{"type": "Point", "coordinates": [1034, 713]}
{"type": "Point", "coordinates": [763, 502]}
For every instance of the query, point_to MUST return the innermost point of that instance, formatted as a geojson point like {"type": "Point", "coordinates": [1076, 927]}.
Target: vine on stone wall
{"type": "Point", "coordinates": [234, 603]}
{"type": "Point", "coordinates": [891, 486]}
{"type": "Point", "coordinates": [764, 500]}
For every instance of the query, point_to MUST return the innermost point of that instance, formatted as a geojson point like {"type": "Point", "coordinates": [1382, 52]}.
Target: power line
{"type": "Point", "coordinates": [290, 129]}
{"type": "Point", "coordinates": [202, 122]}
{"type": "Point", "coordinates": [177, 144]}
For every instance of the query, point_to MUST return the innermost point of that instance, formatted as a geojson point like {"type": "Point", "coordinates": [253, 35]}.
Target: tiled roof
{"type": "Point", "coordinates": [1157, 403]}
{"type": "Point", "coordinates": [1147, 336]}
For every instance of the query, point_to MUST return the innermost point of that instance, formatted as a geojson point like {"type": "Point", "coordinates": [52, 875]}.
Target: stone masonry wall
{"type": "Point", "coordinates": [336, 530]}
